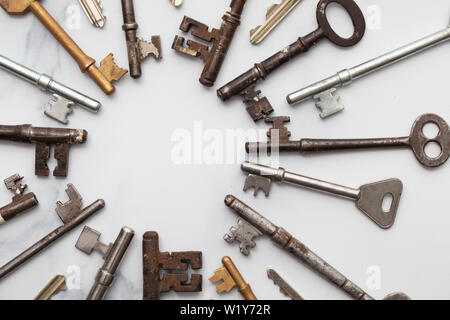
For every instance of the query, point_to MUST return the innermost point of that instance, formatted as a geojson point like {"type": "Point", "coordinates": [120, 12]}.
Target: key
{"type": "Point", "coordinates": [244, 85]}
{"type": "Point", "coordinates": [275, 14]}
{"type": "Point", "coordinates": [103, 76]}
{"type": "Point", "coordinates": [230, 277]}
{"type": "Point", "coordinates": [64, 97]}
{"type": "Point", "coordinates": [177, 3]}
{"type": "Point", "coordinates": [221, 40]}
{"type": "Point", "coordinates": [44, 138]}
{"type": "Point", "coordinates": [172, 267]}
{"type": "Point", "coordinates": [111, 253]}
{"type": "Point", "coordinates": [285, 288]}
{"type": "Point", "coordinates": [138, 48]}
{"type": "Point", "coordinates": [416, 141]}
{"type": "Point", "coordinates": [369, 197]}
{"type": "Point", "coordinates": [324, 92]}
{"type": "Point", "coordinates": [252, 222]}
{"type": "Point", "coordinates": [94, 12]}
{"type": "Point", "coordinates": [20, 202]}
{"type": "Point", "coordinates": [56, 285]}
{"type": "Point", "coordinates": [70, 214]}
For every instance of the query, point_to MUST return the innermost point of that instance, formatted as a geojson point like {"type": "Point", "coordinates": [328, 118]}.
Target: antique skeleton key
{"type": "Point", "coordinates": [172, 267]}
{"type": "Point", "coordinates": [102, 76]}
{"type": "Point", "coordinates": [70, 214]}
{"type": "Point", "coordinates": [230, 277]}
{"type": "Point", "coordinates": [252, 225]}
{"type": "Point", "coordinates": [416, 141]}
{"type": "Point", "coordinates": [138, 48]}
{"type": "Point", "coordinates": [44, 138]}
{"type": "Point", "coordinates": [324, 92]}
{"type": "Point", "coordinates": [64, 97]}
{"type": "Point", "coordinates": [56, 285]}
{"type": "Point", "coordinates": [94, 12]}
{"type": "Point", "coordinates": [111, 253]}
{"type": "Point", "coordinates": [244, 85]}
{"type": "Point", "coordinates": [20, 202]}
{"type": "Point", "coordinates": [221, 39]}
{"type": "Point", "coordinates": [369, 197]}
{"type": "Point", "coordinates": [285, 288]}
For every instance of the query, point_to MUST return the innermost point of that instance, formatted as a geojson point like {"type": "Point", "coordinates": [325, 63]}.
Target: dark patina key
{"type": "Point", "coordinates": [244, 85]}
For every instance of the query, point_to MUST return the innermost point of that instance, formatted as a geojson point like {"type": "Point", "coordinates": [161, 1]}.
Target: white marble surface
{"type": "Point", "coordinates": [128, 158]}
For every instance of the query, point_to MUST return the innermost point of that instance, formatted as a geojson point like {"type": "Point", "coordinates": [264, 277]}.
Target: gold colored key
{"type": "Point", "coordinates": [231, 278]}
{"type": "Point", "coordinates": [102, 76]}
{"type": "Point", "coordinates": [56, 285]}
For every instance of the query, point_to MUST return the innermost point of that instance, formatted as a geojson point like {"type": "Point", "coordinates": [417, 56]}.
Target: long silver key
{"type": "Point", "coordinates": [285, 288]}
{"type": "Point", "coordinates": [251, 223]}
{"type": "Point", "coordinates": [94, 11]}
{"type": "Point", "coordinates": [64, 97]}
{"type": "Point", "coordinates": [369, 197]}
{"type": "Point", "coordinates": [324, 92]}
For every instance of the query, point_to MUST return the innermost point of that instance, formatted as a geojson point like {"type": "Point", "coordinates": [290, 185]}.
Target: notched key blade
{"type": "Point", "coordinates": [258, 183]}
{"type": "Point", "coordinates": [111, 70]}
{"type": "Point", "coordinates": [244, 234]}
{"type": "Point", "coordinates": [13, 183]}
{"type": "Point", "coordinates": [328, 103]}
{"type": "Point", "coordinates": [59, 109]}
{"type": "Point", "coordinates": [223, 275]}
{"type": "Point", "coordinates": [285, 288]}
{"type": "Point", "coordinates": [150, 48]}
{"type": "Point", "coordinates": [71, 209]}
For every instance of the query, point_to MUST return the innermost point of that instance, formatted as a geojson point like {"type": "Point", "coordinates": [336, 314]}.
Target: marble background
{"type": "Point", "coordinates": [128, 158]}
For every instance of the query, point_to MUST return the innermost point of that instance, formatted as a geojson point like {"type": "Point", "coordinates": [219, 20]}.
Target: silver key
{"type": "Point", "coordinates": [94, 11]}
{"type": "Point", "coordinates": [369, 197]}
{"type": "Point", "coordinates": [285, 288]}
{"type": "Point", "coordinates": [60, 106]}
{"type": "Point", "coordinates": [324, 91]}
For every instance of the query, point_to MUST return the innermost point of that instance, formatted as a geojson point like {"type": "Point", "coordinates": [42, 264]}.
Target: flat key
{"type": "Point", "coordinates": [94, 12]}
{"type": "Point", "coordinates": [416, 141]}
{"type": "Point", "coordinates": [285, 288]}
{"type": "Point", "coordinates": [368, 198]}
{"type": "Point", "coordinates": [275, 14]}
{"type": "Point", "coordinates": [244, 85]}
{"type": "Point", "coordinates": [56, 285]}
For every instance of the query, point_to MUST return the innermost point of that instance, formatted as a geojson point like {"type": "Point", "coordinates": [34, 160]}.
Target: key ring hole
{"type": "Point", "coordinates": [388, 201]}
{"type": "Point", "coordinates": [339, 20]}
{"type": "Point", "coordinates": [432, 150]}
{"type": "Point", "coordinates": [431, 130]}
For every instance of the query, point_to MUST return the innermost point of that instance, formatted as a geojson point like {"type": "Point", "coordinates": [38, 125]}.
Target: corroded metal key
{"type": "Point", "coordinates": [172, 266]}
{"type": "Point", "coordinates": [102, 76]}
{"type": "Point", "coordinates": [94, 12]}
{"type": "Point", "coordinates": [244, 85]}
{"type": "Point", "coordinates": [20, 202]}
{"type": "Point", "coordinates": [368, 198]}
{"type": "Point", "coordinates": [70, 214]}
{"type": "Point", "coordinates": [111, 253]}
{"type": "Point", "coordinates": [417, 141]}
{"type": "Point", "coordinates": [44, 138]}
{"type": "Point", "coordinates": [56, 285]}
{"type": "Point", "coordinates": [230, 277]}
{"type": "Point", "coordinates": [252, 225]}
{"type": "Point", "coordinates": [138, 48]}
{"type": "Point", "coordinates": [221, 39]}
{"type": "Point", "coordinates": [285, 288]}
{"type": "Point", "coordinates": [275, 14]}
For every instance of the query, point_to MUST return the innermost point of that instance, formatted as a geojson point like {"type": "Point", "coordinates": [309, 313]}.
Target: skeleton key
{"type": "Point", "coordinates": [252, 224]}
{"type": "Point", "coordinates": [417, 141]}
{"type": "Point", "coordinates": [20, 202]}
{"type": "Point", "coordinates": [112, 254]}
{"type": "Point", "coordinates": [70, 214]}
{"type": "Point", "coordinates": [102, 76]}
{"type": "Point", "coordinates": [275, 14]}
{"type": "Point", "coordinates": [44, 138]}
{"type": "Point", "coordinates": [324, 92]}
{"type": "Point", "coordinates": [221, 41]}
{"type": "Point", "coordinates": [174, 264]}
{"type": "Point", "coordinates": [285, 288]}
{"type": "Point", "coordinates": [230, 277]}
{"type": "Point", "coordinates": [244, 85]}
{"type": "Point", "coordinates": [63, 96]}
{"type": "Point", "coordinates": [369, 197]}
{"type": "Point", "coordinates": [94, 12]}
{"type": "Point", "coordinates": [56, 285]}
{"type": "Point", "coordinates": [138, 48]}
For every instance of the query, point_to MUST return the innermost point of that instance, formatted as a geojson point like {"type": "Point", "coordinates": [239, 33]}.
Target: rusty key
{"type": "Point", "coordinates": [20, 202]}
{"type": "Point", "coordinates": [244, 85]}
{"type": "Point", "coordinates": [70, 214]}
{"type": "Point", "coordinates": [102, 76]}
{"type": "Point", "coordinates": [416, 141]}
{"type": "Point", "coordinates": [44, 138]}
{"type": "Point", "coordinates": [221, 39]}
{"type": "Point", "coordinates": [138, 48]}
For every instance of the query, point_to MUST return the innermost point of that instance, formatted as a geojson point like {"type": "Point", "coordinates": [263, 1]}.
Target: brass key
{"type": "Point", "coordinates": [102, 76]}
{"type": "Point", "coordinates": [56, 285]}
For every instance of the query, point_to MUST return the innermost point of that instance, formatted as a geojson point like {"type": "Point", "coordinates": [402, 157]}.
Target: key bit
{"type": "Point", "coordinates": [173, 266]}
{"type": "Point", "coordinates": [257, 183]}
{"type": "Point", "coordinates": [56, 285]}
{"type": "Point", "coordinates": [257, 107]}
{"type": "Point", "coordinates": [59, 109]}
{"type": "Point", "coordinates": [244, 233]}
{"type": "Point", "coordinates": [94, 11]}
{"type": "Point", "coordinates": [275, 14]}
{"type": "Point", "coordinates": [231, 277]}
{"type": "Point", "coordinates": [285, 288]}
{"type": "Point", "coordinates": [328, 103]}
{"type": "Point", "coordinates": [111, 253]}
{"type": "Point", "coordinates": [177, 3]}
{"type": "Point", "coordinates": [20, 202]}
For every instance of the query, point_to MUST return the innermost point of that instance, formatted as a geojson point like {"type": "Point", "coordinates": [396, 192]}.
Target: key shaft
{"type": "Point", "coordinates": [93, 10]}
{"type": "Point", "coordinates": [57, 284]}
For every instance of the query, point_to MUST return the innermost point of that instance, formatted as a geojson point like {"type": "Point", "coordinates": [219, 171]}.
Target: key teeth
{"type": "Point", "coordinates": [87, 240]}
{"type": "Point", "coordinates": [244, 234]}
{"type": "Point", "coordinates": [70, 209]}
{"type": "Point", "coordinates": [257, 183]}
{"type": "Point", "coordinates": [328, 103]}
{"type": "Point", "coordinates": [227, 283]}
{"type": "Point", "coordinates": [13, 183]}
{"type": "Point", "coordinates": [150, 48]}
{"type": "Point", "coordinates": [59, 109]}
{"type": "Point", "coordinates": [110, 69]}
